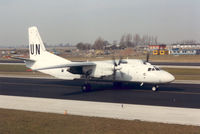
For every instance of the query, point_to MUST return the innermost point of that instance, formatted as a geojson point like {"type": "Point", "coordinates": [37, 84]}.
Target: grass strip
{"type": "Point", "coordinates": [23, 122]}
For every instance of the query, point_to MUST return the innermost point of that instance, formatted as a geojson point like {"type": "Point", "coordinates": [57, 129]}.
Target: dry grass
{"type": "Point", "coordinates": [187, 77]}
{"type": "Point", "coordinates": [184, 73]}
{"type": "Point", "coordinates": [23, 122]}
{"type": "Point", "coordinates": [175, 58]}
{"type": "Point", "coordinates": [12, 68]}
{"type": "Point", "coordinates": [153, 58]}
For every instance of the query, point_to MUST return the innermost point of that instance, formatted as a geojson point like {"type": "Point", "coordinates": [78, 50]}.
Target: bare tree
{"type": "Point", "coordinates": [99, 43]}
{"type": "Point", "coordinates": [136, 39]}
{"type": "Point", "coordinates": [122, 41]}
{"type": "Point", "coordinates": [83, 46]}
{"type": "Point", "coordinates": [128, 40]}
{"type": "Point", "coordinates": [156, 40]}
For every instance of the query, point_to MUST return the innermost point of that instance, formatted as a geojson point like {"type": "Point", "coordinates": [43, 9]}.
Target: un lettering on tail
{"type": "Point", "coordinates": [35, 49]}
{"type": "Point", "coordinates": [36, 45]}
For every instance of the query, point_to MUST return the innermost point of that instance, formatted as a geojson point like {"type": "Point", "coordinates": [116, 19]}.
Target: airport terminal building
{"type": "Point", "coordinates": [184, 49]}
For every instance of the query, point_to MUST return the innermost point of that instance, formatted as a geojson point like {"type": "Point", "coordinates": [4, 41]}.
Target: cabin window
{"type": "Point", "coordinates": [157, 69]}
{"type": "Point", "coordinates": [154, 69]}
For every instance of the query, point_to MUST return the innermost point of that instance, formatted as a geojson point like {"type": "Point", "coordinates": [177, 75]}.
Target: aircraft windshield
{"type": "Point", "coordinates": [153, 69]}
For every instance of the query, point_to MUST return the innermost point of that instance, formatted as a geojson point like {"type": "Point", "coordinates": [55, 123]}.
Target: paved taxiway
{"type": "Point", "coordinates": [173, 95]}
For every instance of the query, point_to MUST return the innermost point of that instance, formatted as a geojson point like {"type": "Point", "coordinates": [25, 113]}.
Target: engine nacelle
{"type": "Point", "coordinates": [103, 69]}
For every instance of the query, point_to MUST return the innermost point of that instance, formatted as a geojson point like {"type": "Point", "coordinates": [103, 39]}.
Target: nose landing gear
{"type": "Point", "coordinates": [154, 88]}
{"type": "Point", "coordinates": [86, 87]}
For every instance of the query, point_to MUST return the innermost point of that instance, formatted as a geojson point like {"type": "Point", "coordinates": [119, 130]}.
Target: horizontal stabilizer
{"type": "Point", "coordinates": [24, 59]}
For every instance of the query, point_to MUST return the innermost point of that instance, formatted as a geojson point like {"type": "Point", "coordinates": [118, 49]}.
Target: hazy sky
{"type": "Point", "coordinates": [73, 21]}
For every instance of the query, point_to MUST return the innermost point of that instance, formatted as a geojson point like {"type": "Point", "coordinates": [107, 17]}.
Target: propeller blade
{"type": "Point", "coordinates": [114, 62]}
{"type": "Point", "coordinates": [117, 67]}
{"type": "Point", "coordinates": [120, 60]}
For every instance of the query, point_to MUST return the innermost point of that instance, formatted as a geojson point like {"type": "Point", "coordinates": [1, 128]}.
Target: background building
{"type": "Point", "coordinates": [184, 49]}
{"type": "Point", "coordinates": [158, 49]}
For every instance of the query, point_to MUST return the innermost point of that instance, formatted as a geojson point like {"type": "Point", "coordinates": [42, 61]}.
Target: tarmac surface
{"type": "Point", "coordinates": [173, 95]}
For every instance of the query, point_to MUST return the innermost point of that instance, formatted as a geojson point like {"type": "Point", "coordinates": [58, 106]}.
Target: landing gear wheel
{"type": "Point", "coordinates": [86, 87]}
{"type": "Point", "coordinates": [154, 88]}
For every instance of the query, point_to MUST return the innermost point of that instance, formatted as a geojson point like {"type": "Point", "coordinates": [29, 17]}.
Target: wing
{"type": "Point", "coordinates": [71, 65]}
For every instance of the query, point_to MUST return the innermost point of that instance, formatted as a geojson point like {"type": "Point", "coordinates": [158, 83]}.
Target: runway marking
{"type": "Point", "coordinates": [47, 85]}
{"type": "Point", "coordinates": [180, 92]}
{"type": "Point", "coordinates": [171, 92]}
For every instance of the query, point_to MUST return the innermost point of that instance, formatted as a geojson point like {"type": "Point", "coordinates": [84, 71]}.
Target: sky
{"type": "Point", "coordinates": [73, 21]}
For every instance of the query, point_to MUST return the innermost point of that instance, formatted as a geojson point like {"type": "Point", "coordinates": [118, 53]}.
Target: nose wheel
{"type": "Point", "coordinates": [155, 88]}
{"type": "Point", "coordinates": [86, 87]}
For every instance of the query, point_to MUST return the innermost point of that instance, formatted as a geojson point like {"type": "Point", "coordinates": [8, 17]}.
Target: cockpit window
{"type": "Point", "coordinates": [154, 69]}
{"type": "Point", "coordinates": [157, 69]}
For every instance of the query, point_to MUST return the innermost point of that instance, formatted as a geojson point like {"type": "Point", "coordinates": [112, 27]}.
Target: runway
{"type": "Point", "coordinates": [172, 95]}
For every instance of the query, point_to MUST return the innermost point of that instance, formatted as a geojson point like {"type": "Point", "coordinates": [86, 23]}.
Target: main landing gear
{"type": "Point", "coordinates": [154, 88]}
{"type": "Point", "coordinates": [86, 86]}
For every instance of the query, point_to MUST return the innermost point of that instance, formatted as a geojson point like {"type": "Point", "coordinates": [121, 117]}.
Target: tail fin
{"type": "Point", "coordinates": [36, 46]}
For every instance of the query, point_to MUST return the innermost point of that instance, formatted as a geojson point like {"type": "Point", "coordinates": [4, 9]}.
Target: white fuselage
{"type": "Point", "coordinates": [134, 71]}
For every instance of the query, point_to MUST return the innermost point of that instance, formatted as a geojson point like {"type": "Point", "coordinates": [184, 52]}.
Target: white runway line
{"type": "Point", "coordinates": [172, 115]}
{"type": "Point", "coordinates": [187, 81]}
{"type": "Point", "coordinates": [175, 66]}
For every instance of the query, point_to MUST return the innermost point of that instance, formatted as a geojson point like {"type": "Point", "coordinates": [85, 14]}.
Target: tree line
{"type": "Point", "coordinates": [126, 40]}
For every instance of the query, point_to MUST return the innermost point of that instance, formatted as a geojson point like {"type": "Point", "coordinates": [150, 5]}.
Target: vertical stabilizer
{"type": "Point", "coordinates": [36, 46]}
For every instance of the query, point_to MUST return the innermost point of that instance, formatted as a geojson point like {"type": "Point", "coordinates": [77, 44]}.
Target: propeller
{"type": "Point", "coordinates": [119, 62]}
{"type": "Point", "coordinates": [115, 69]}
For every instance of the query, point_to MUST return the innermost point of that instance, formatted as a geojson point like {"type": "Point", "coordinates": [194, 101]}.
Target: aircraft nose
{"type": "Point", "coordinates": [167, 77]}
{"type": "Point", "coordinates": [170, 77]}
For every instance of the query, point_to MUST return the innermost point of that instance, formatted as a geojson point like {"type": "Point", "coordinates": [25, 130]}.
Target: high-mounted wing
{"type": "Point", "coordinates": [72, 64]}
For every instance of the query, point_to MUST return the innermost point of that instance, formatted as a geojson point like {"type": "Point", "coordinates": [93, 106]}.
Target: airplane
{"type": "Point", "coordinates": [117, 71]}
